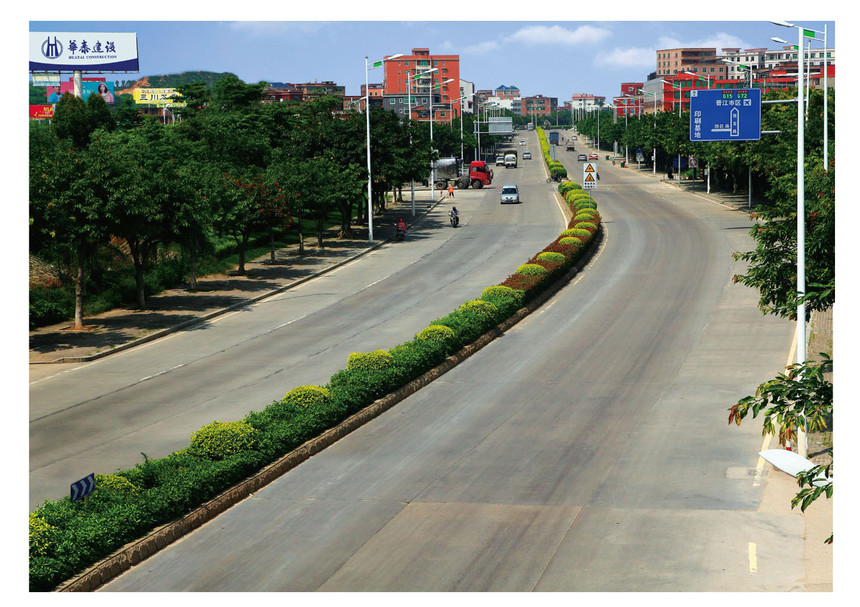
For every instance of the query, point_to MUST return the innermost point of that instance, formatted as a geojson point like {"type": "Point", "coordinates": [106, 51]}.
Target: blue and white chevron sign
{"type": "Point", "coordinates": [83, 487]}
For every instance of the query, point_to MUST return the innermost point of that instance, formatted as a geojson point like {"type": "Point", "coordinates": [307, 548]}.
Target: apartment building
{"type": "Point", "coordinates": [702, 61]}
{"type": "Point", "coordinates": [538, 106]}
{"type": "Point", "coordinates": [402, 72]}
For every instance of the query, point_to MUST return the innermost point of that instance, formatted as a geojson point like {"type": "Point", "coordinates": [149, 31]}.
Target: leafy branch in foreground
{"type": "Point", "coordinates": [802, 398]}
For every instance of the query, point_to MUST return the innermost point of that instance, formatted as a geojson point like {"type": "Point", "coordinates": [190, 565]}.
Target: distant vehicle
{"type": "Point", "coordinates": [530, 126]}
{"type": "Point", "coordinates": [448, 169]}
{"type": "Point", "coordinates": [510, 160]}
{"type": "Point", "coordinates": [522, 142]}
{"type": "Point", "coordinates": [510, 193]}
{"type": "Point", "coordinates": [592, 156]}
{"type": "Point", "coordinates": [581, 157]}
{"type": "Point", "coordinates": [570, 147]}
{"type": "Point", "coordinates": [527, 155]}
{"type": "Point", "coordinates": [500, 161]}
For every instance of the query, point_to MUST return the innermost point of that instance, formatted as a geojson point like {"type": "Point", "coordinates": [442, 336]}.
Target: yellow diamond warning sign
{"type": "Point", "coordinates": [589, 176]}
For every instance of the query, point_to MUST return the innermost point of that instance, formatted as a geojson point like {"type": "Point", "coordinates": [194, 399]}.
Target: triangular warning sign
{"type": "Point", "coordinates": [589, 177]}
{"type": "Point", "coordinates": [589, 168]}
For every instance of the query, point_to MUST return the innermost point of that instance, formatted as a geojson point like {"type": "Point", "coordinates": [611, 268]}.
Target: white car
{"type": "Point", "coordinates": [522, 141]}
{"type": "Point", "coordinates": [527, 155]}
{"type": "Point", "coordinates": [510, 193]}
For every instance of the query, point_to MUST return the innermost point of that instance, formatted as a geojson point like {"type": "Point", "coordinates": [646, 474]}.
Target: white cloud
{"type": "Point", "coordinates": [628, 57]}
{"type": "Point", "coordinates": [557, 35]}
{"type": "Point", "coordinates": [275, 28]}
{"type": "Point", "coordinates": [482, 48]}
{"type": "Point", "coordinates": [718, 40]}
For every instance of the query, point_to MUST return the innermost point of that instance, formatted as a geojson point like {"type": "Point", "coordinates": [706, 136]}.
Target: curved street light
{"type": "Point", "coordinates": [367, 68]}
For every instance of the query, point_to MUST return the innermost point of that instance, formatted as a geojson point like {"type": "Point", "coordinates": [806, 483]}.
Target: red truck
{"type": "Point", "coordinates": [448, 169]}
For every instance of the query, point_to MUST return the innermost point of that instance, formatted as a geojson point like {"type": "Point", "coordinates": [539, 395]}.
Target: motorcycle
{"type": "Point", "coordinates": [454, 218]}
{"type": "Point", "coordinates": [399, 232]}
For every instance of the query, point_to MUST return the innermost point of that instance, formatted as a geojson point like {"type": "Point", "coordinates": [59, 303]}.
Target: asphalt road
{"type": "Point", "coordinates": [587, 449]}
{"type": "Point", "coordinates": [100, 416]}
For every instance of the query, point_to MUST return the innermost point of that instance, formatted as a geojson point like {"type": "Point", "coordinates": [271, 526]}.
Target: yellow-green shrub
{"type": "Point", "coordinates": [531, 269]}
{"type": "Point", "coordinates": [220, 440]}
{"type": "Point", "coordinates": [436, 333]}
{"type": "Point", "coordinates": [304, 397]}
{"type": "Point", "coordinates": [116, 484]}
{"type": "Point", "coordinates": [370, 361]}
{"type": "Point", "coordinates": [480, 307]}
{"type": "Point", "coordinates": [570, 240]}
{"type": "Point", "coordinates": [551, 256]}
{"type": "Point", "coordinates": [40, 535]}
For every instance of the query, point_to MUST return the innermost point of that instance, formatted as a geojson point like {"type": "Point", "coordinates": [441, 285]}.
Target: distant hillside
{"type": "Point", "coordinates": [169, 81]}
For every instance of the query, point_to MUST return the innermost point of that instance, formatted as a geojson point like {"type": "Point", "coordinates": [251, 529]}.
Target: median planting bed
{"type": "Point", "coordinates": [67, 538]}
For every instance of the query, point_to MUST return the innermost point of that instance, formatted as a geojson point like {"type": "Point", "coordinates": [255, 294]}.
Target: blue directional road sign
{"type": "Point", "coordinates": [83, 487]}
{"type": "Point", "coordinates": [725, 115]}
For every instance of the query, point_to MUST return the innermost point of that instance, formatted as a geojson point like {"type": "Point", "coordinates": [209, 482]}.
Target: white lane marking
{"type": "Point", "coordinates": [752, 556]}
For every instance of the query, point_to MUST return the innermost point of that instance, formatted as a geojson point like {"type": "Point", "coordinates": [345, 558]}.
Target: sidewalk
{"type": "Point", "coordinates": [178, 308]}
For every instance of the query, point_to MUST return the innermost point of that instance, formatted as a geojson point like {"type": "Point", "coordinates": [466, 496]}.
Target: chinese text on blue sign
{"type": "Point", "coordinates": [725, 115]}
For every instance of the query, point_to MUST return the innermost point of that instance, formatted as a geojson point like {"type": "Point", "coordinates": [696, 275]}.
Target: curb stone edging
{"type": "Point", "coordinates": [139, 550]}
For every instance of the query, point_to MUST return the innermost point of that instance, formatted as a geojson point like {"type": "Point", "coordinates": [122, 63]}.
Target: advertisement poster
{"type": "Point", "coordinates": [84, 51]}
{"type": "Point", "coordinates": [91, 85]}
{"type": "Point", "coordinates": [42, 112]}
{"type": "Point", "coordinates": [158, 97]}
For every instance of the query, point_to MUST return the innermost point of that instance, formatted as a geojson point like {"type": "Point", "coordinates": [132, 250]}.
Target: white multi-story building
{"type": "Point", "coordinates": [468, 88]}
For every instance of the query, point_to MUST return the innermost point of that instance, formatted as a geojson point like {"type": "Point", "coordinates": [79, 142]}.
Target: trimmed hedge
{"type": "Point", "coordinates": [66, 538]}
{"type": "Point", "coordinates": [221, 440]}
{"type": "Point", "coordinates": [531, 269]}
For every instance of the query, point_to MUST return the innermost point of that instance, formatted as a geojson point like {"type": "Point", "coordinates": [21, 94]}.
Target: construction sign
{"type": "Point", "coordinates": [589, 176]}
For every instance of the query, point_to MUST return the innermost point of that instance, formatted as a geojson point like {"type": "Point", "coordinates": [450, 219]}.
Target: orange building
{"type": "Point", "coordinates": [406, 67]}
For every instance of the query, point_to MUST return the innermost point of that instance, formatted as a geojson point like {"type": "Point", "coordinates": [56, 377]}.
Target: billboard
{"type": "Point", "coordinates": [41, 112]}
{"type": "Point", "coordinates": [91, 85]}
{"type": "Point", "coordinates": [157, 97]}
{"type": "Point", "coordinates": [84, 51]}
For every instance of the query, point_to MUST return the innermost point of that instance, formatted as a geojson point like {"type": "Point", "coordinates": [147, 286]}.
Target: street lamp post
{"type": "Point", "coordinates": [433, 86]}
{"type": "Point", "coordinates": [409, 80]}
{"type": "Point", "coordinates": [802, 447]}
{"type": "Point", "coordinates": [654, 151]}
{"type": "Point", "coordinates": [367, 68]}
{"type": "Point", "coordinates": [706, 78]}
{"type": "Point", "coordinates": [680, 104]}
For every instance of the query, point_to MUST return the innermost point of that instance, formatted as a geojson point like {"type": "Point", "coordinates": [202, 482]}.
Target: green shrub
{"type": "Point", "coordinates": [354, 389]}
{"type": "Point", "coordinates": [480, 307]}
{"type": "Point", "coordinates": [220, 440]}
{"type": "Point", "coordinates": [49, 305]}
{"type": "Point", "coordinates": [115, 484]}
{"type": "Point", "coordinates": [579, 233]}
{"type": "Point", "coordinates": [436, 333]}
{"type": "Point", "coordinates": [530, 284]}
{"type": "Point", "coordinates": [40, 535]}
{"type": "Point", "coordinates": [369, 361]}
{"type": "Point", "coordinates": [552, 257]}
{"type": "Point", "coordinates": [420, 355]}
{"type": "Point", "coordinates": [531, 269]}
{"type": "Point", "coordinates": [584, 215]}
{"type": "Point", "coordinates": [567, 186]}
{"type": "Point", "coordinates": [570, 240]}
{"type": "Point", "coordinates": [302, 397]}
{"type": "Point", "coordinates": [506, 299]}
{"type": "Point", "coordinates": [587, 226]}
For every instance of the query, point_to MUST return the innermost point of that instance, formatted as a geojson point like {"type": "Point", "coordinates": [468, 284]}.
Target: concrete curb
{"type": "Point", "coordinates": [137, 551]}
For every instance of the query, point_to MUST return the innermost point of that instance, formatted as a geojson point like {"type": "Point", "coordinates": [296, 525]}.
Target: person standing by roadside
{"type": "Point", "coordinates": [450, 190]}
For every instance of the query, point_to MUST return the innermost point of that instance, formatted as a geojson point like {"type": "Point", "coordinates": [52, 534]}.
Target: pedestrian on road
{"type": "Point", "coordinates": [450, 190]}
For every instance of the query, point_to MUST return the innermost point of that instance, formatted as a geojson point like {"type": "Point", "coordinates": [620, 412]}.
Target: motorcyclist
{"type": "Point", "coordinates": [454, 214]}
{"type": "Point", "coordinates": [401, 226]}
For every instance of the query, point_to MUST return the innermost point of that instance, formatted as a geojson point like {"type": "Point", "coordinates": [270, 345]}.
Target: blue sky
{"type": "Point", "coordinates": [587, 51]}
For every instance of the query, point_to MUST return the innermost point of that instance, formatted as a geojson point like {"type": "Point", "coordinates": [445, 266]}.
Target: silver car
{"type": "Point", "coordinates": [510, 193]}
